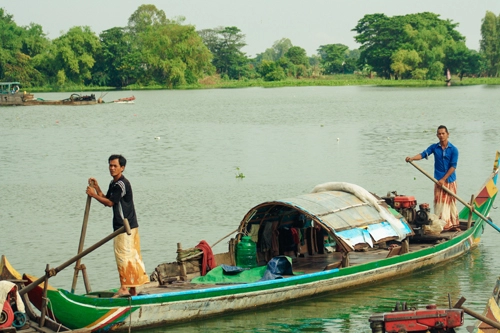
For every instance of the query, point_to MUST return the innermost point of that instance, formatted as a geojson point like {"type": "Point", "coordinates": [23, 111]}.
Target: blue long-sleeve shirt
{"type": "Point", "coordinates": [444, 159]}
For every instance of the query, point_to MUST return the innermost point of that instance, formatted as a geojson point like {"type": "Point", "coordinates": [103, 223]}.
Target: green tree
{"type": "Point", "coordinates": [164, 51]}
{"type": "Point", "coordinates": [379, 39]}
{"type": "Point", "coordinates": [274, 53]}
{"type": "Point", "coordinates": [351, 61]}
{"type": "Point", "coordinates": [11, 37]}
{"type": "Point", "coordinates": [404, 61]}
{"type": "Point", "coordinates": [271, 71]}
{"type": "Point", "coordinates": [117, 62]}
{"type": "Point", "coordinates": [383, 37]}
{"type": "Point", "coordinates": [490, 43]}
{"type": "Point", "coordinates": [146, 17]}
{"type": "Point", "coordinates": [18, 48]}
{"type": "Point", "coordinates": [297, 56]}
{"type": "Point", "coordinates": [226, 43]}
{"type": "Point", "coordinates": [73, 53]}
{"type": "Point", "coordinates": [299, 62]}
{"type": "Point", "coordinates": [462, 61]}
{"type": "Point", "coordinates": [333, 58]}
{"type": "Point", "coordinates": [35, 41]}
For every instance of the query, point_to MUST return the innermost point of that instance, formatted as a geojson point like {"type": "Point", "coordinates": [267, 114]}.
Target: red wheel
{"type": "Point", "coordinates": [7, 316]}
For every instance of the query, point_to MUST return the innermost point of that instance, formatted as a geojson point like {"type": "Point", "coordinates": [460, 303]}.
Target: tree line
{"type": "Point", "coordinates": [153, 50]}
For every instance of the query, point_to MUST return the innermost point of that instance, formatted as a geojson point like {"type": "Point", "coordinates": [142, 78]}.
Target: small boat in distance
{"type": "Point", "coordinates": [125, 100]}
{"type": "Point", "coordinates": [11, 95]}
{"type": "Point", "coordinates": [335, 238]}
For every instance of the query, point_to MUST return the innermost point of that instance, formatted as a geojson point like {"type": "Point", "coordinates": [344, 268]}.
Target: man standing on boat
{"type": "Point", "coordinates": [127, 248]}
{"type": "Point", "coordinates": [445, 164]}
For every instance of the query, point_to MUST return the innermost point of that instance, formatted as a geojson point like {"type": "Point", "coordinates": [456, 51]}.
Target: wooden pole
{"type": "Point", "coordinates": [469, 220]}
{"type": "Point", "coordinates": [494, 226]}
{"type": "Point", "coordinates": [80, 245]}
{"type": "Point", "coordinates": [476, 315]}
{"type": "Point", "coordinates": [43, 310]}
{"type": "Point", "coordinates": [54, 271]}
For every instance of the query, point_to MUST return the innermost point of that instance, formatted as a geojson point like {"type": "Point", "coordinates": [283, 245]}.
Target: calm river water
{"type": "Point", "coordinates": [183, 150]}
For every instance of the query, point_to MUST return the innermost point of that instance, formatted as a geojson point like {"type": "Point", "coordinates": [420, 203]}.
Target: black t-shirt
{"type": "Point", "coordinates": [120, 192]}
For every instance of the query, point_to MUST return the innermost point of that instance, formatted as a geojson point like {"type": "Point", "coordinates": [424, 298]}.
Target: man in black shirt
{"type": "Point", "coordinates": [127, 248]}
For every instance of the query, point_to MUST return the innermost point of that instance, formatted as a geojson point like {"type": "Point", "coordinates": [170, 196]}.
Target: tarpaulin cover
{"type": "Point", "coordinates": [224, 274]}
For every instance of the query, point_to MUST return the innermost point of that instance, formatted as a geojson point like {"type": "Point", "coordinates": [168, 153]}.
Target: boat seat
{"type": "Point", "coordinates": [333, 266]}
{"type": "Point", "coordinates": [394, 251]}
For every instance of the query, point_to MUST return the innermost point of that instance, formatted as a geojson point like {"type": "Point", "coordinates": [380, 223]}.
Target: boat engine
{"type": "Point", "coordinates": [405, 205]}
{"type": "Point", "coordinates": [430, 319]}
{"type": "Point", "coordinates": [422, 217]}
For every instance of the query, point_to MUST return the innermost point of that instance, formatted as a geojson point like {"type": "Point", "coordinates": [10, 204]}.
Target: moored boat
{"type": "Point", "coordinates": [337, 237]}
{"type": "Point", "coordinates": [11, 95]}
{"type": "Point", "coordinates": [125, 100]}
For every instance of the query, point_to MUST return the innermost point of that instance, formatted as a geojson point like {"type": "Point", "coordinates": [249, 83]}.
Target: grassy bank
{"type": "Point", "coordinates": [333, 80]}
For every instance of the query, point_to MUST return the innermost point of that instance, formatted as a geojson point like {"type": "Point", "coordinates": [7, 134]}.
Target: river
{"type": "Point", "coordinates": [184, 150]}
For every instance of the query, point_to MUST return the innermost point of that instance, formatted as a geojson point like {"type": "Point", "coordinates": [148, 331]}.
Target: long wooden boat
{"type": "Point", "coordinates": [339, 236]}
{"type": "Point", "coordinates": [11, 95]}
{"type": "Point", "coordinates": [125, 100]}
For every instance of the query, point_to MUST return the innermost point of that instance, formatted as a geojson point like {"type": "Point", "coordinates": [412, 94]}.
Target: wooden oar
{"type": "Point", "coordinates": [494, 226]}
{"type": "Point", "coordinates": [82, 241]}
{"type": "Point", "coordinates": [476, 315]}
{"type": "Point", "coordinates": [52, 272]}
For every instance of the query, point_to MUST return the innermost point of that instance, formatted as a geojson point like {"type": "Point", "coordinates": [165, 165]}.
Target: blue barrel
{"type": "Point", "coordinates": [246, 253]}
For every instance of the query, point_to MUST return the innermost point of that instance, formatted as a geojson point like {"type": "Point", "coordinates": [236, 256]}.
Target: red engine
{"type": "Point", "coordinates": [406, 206]}
{"type": "Point", "coordinates": [404, 201]}
{"type": "Point", "coordinates": [431, 319]}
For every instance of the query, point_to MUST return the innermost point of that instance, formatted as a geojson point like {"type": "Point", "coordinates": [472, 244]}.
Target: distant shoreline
{"type": "Point", "coordinates": [338, 80]}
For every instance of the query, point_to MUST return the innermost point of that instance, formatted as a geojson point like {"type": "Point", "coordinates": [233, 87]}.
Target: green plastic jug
{"type": "Point", "coordinates": [246, 253]}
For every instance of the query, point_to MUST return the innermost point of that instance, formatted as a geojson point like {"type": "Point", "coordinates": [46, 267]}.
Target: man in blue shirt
{"type": "Point", "coordinates": [445, 164]}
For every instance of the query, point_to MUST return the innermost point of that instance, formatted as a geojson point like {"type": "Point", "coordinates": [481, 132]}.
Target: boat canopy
{"type": "Point", "coordinates": [9, 87]}
{"type": "Point", "coordinates": [349, 213]}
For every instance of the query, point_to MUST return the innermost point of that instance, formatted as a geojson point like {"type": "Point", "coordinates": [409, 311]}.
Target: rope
{"type": "Point", "coordinates": [52, 311]}
{"type": "Point", "coordinates": [130, 316]}
{"type": "Point", "coordinates": [229, 234]}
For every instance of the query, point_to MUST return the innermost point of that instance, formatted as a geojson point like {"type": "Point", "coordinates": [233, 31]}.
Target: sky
{"type": "Point", "coordinates": [307, 23]}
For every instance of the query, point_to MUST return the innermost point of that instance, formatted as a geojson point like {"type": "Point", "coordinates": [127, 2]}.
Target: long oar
{"type": "Point", "coordinates": [54, 271]}
{"type": "Point", "coordinates": [494, 226]}
{"type": "Point", "coordinates": [82, 241]}
{"type": "Point", "coordinates": [484, 319]}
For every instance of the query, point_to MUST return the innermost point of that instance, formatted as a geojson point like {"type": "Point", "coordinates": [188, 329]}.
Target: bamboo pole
{"type": "Point", "coordinates": [469, 220]}
{"type": "Point", "coordinates": [43, 310]}
{"type": "Point", "coordinates": [54, 271]}
{"type": "Point", "coordinates": [80, 245]}
{"type": "Point", "coordinates": [494, 226]}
